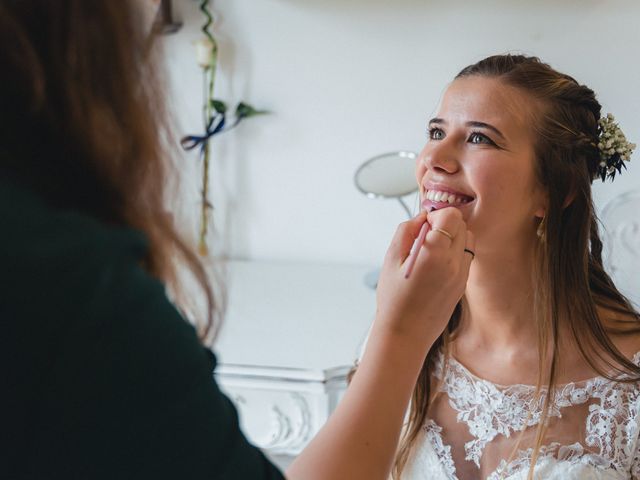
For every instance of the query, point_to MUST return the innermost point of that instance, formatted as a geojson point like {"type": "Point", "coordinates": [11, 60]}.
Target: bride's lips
{"type": "Point", "coordinates": [436, 196]}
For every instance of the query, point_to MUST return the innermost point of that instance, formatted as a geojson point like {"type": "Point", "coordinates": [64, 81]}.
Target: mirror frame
{"type": "Point", "coordinates": [400, 153]}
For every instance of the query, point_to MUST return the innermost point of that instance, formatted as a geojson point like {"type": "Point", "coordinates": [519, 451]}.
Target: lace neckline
{"type": "Point", "coordinates": [490, 410]}
{"type": "Point", "coordinates": [460, 367]}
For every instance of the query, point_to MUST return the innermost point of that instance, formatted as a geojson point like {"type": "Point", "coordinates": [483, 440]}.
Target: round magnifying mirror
{"type": "Point", "coordinates": [391, 175]}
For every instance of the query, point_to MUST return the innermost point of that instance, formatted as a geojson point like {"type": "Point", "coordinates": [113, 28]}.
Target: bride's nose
{"type": "Point", "coordinates": [441, 156]}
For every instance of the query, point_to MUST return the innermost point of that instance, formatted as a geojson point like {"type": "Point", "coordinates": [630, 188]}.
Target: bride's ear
{"type": "Point", "coordinates": [543, 205]}
{"type": "Point", "coordinates": [540, 212]}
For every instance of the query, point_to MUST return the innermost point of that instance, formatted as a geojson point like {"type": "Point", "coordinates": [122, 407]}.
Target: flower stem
{"type": "Point", "coordinates": [208, 83]}
{"type": "Point", "coordinates": [204, 214]}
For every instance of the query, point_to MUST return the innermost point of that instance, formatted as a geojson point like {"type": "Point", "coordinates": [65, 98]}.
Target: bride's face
{"type": "Point", "coordinates": [481, 146]}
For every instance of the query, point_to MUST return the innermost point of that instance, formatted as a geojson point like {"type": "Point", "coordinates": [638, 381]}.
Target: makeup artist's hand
{"type": "Point", "coordinates": [420, 306]}
{"type": "Point", "coordinates": [361, 437]}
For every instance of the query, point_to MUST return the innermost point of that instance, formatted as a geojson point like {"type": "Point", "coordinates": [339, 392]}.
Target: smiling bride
{"type": "Point", "coordinates": [536, 374]}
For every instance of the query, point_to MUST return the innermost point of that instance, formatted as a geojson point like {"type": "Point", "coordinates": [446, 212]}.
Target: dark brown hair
{"type": "Point", "coordinates": [570, 282]}
{"type": "Point", "coordinates": [83, 121]}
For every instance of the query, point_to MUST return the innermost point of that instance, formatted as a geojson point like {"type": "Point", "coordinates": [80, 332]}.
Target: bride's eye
{"type": "Point", "coordinates": [479, 138]}
{"type": "Point", "coordinates": [435, 133]}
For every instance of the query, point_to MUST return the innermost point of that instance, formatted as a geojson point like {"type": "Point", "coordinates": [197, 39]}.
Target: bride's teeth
{"type": "Point", "coordinates": [445, 197]}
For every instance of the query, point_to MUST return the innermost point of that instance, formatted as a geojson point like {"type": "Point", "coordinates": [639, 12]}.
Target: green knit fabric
{"type": "Point", "coordinates": [101, 376]}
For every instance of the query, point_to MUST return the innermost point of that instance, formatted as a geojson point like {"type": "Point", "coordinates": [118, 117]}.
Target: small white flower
{"type": "Point", "coordinates": [613, 145]}
{"type": "Point", "coordinates": [204, 52]}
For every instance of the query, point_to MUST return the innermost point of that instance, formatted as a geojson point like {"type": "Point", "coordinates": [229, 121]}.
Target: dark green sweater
{"type": "Point", "coordinates": [101, 376]}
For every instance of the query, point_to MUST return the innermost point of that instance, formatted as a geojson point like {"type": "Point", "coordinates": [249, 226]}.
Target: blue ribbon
{"type": "Point", "coordinates": [216, 125]}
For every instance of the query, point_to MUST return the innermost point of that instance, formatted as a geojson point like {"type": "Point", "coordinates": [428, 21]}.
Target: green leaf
{"type": "Point", "coordinates": [244, 110]}
{"type": "Point", "coordinates": [219, 106]}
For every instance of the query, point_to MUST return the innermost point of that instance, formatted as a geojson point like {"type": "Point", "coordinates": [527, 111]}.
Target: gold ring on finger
{"type": "Point", "coordinates": [444, 232]}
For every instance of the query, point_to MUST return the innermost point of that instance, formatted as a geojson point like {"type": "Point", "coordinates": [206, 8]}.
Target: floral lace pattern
{"type": "Point", "coordinates": [608, 449]}
{"type": "Point", "coordinates": [434, 436]}
{"type": "Point", "coordinates": [571, 454]}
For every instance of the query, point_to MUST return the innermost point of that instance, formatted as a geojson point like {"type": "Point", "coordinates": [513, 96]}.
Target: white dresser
{"type": "Point", "coordinates": [291, 334]}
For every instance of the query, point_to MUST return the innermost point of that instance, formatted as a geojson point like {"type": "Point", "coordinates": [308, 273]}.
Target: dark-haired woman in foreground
{"type": "Point", "coordinates": [102, 376]}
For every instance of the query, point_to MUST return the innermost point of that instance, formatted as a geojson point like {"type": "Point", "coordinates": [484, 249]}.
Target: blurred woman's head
{"type": "Point", "coordinates": [83, 119]}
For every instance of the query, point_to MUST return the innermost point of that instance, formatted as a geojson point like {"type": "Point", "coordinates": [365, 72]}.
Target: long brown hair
{"type": "Point", "coordinates": [83, 121]}
{"type": "Point", "coordinates": [569, 281]}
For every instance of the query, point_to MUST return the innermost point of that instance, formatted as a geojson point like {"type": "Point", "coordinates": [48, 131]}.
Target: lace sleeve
{"type": "Point", "coordinates": [635, 462]}
{"type": "Point", "coordinates": [635, 451]}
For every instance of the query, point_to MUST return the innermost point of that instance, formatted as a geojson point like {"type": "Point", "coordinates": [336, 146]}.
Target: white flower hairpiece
{"type": "Point", "coordinates": [614, 148]}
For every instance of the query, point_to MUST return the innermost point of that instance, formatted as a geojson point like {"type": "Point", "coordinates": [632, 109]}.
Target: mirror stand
{"type": "Point", "coordinates": [390, 175]}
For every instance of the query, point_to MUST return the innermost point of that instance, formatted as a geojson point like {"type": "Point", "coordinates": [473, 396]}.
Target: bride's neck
{"type": "Point", "coordinates": [499, 303]}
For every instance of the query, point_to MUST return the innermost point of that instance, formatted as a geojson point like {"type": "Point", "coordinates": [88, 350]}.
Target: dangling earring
{"type": "Point", "coordinates": [542, 227]}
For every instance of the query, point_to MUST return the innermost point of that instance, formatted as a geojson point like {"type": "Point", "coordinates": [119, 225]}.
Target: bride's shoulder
{"type": "Point", "coordinates": [623, 330]}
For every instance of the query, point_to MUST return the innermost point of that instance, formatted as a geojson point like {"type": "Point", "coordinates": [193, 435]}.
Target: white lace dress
{"type": "Point", "coordinates": [474, 425]}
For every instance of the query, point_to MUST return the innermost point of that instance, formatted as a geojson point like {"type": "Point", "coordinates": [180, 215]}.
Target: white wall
{"type": "Point", "coordinates": [350, 79]}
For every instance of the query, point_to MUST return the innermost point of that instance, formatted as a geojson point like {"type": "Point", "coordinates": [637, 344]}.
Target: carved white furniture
{"type": "Point", "coordinates": [621, 219]}
{"type": "Point", "coordinates": [291, 334]}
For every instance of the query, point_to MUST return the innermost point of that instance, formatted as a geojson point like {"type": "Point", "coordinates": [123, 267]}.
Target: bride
{"type": "Point", "coordinates": [535, 375]}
